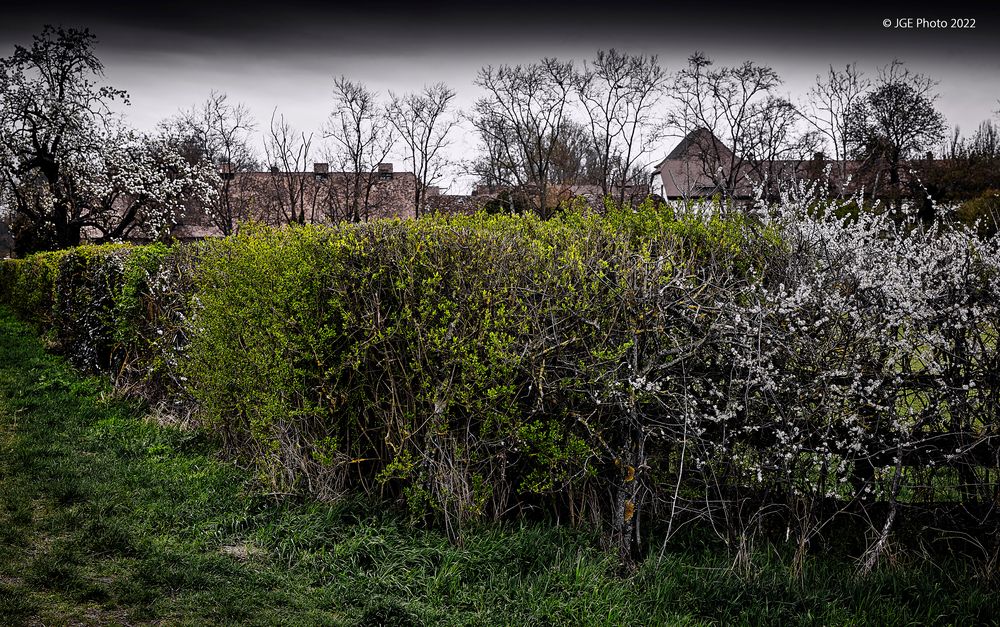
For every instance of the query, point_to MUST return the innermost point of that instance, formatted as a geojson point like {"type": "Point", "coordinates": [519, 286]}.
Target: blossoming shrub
{"type": "Point", "coordinates": [862, 380]}
{"type": "Point", "coordinates": [100, 306]}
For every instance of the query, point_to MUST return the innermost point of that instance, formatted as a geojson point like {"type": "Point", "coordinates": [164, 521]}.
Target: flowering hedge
{"type": "Point", "coordinates": [761, 375]}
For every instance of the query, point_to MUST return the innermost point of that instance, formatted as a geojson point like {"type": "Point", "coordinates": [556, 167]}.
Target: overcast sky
{"type": "Point", "coordinates": [284, 55]}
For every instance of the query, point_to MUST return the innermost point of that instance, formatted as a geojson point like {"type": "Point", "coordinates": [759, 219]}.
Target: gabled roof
{"type": "Point", "coordinates": [695, 142]}
{"type": "Point", "coordinates": [695, 166]}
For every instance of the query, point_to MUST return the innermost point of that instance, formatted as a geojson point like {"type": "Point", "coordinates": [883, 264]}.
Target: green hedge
{"type": "Point", "coordinates": [28, 286]}
{"type": "Point", "coordinates": [470, 365]}
{"type": "Point", "coordinates": [982, 213]}
{"type": "Point", "coordinates": [101, 309]}
{"type": "Point", "coordinates": [609, 369]}
{"type": "Point", "coordinates": [433, 357]}
{"type": "Point", "coordinates": [94, 302]}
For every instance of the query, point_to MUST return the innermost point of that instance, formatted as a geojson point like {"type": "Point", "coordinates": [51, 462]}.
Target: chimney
{"type": "Point", "coordinates": [385, 171]}
{"type": "Point", "coordinates": [226, 170]}
{"type": "Point", "coordinates": [930, 156]}
{"type": "Point", "coordinates": [819, 156]}
{"type": "Point", "coordinates": [274, 169]}
{"type": "Point", "coordinates": [321, 169]}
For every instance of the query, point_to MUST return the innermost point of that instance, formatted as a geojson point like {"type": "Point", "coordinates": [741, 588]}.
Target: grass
{"type": "Point", "coordinates": [107, 517]}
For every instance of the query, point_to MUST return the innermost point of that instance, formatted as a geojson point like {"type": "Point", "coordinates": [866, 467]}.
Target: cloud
{"type": "Point", "coordinates": [285, 54]}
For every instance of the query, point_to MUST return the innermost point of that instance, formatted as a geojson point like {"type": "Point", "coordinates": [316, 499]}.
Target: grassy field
{"type": "Point", "coordinates": [107, 517]}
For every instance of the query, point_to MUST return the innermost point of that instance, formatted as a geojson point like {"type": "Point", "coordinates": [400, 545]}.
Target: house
{"type": "Point", "coordinates": [276, 197]}
{"type": "Point", "coordinates": [702, 166]}
{"type": "Point", "coordinates": [690, 169]}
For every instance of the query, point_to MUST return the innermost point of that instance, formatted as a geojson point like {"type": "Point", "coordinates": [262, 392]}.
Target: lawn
{"type": "Point", "coordinates": [107, 516]}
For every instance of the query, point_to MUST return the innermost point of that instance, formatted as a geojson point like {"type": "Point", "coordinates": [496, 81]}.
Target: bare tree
{"type": "Point", "coordinates": [777, 146]}
{"type": "Point", "coordinates": [492, 169]}
{"type": "Point", "coordinates": [421, 123]}
{"type": "Point", "coordinates": [894, 120]}
{"type": "Point", "coordinates": [520, 120]}
{"type": "Point", "coordinates": [984, 144]}
{"type": "Point", "coordinates": [575, 159]}
{"type": "Point", "coordinates": [739, 123]}
{"type": "Point", "coordinates": [362, 138]}
{"type": "Point", "coordinates": [620, 94]}
{"type": "Point", "coordinates": [290, 190]}
{"type": "Point", "coordinates": [829, 100]}
{"type": "Point", "coordinates": [221, 133]}
{"type": "Point", "coordinates": [490, 166]}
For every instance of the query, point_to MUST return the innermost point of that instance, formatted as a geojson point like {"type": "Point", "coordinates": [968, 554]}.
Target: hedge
{"type": "Point", "coordinates": [633, 367]}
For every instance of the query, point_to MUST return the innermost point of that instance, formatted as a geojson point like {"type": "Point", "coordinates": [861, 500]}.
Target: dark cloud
{"type": "Point", "coordinates": [309, 32]}
{"type": "Point", "coordinates": [389, 26]}
{"type": "Point", "coordinates": [284, 54]}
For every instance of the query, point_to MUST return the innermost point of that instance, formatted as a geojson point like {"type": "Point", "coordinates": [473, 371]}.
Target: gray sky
{"type": "Point", "coordinates": [284, 55]}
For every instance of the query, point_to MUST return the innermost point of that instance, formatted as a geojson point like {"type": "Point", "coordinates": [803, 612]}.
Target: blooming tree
{"type": "Point", "coordinates": [67, 167]}
{"type": "Point", "coordinates": [52, 116]}
{"type": "Point", "coordinates": [141, 186]}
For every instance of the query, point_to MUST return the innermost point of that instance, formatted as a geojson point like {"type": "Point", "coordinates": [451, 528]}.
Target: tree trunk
{"type": "Point", "coordinates": [625, 529]}
{"type": "Point", "coordinates": [874, 552]}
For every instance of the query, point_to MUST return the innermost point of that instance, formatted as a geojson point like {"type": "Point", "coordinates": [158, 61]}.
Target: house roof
{"type": "Point", "coordinates": [697, 141]}
{"type": "Point", "coordinates": [686, 172]}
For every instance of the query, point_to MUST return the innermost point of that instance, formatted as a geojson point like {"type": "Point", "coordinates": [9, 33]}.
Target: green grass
{"type": "Point", "coordinates": [109, 518]}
